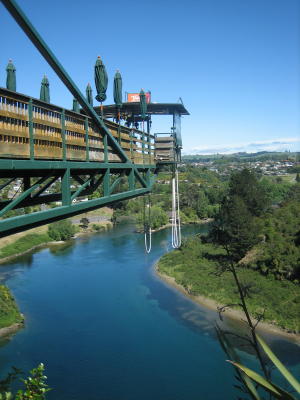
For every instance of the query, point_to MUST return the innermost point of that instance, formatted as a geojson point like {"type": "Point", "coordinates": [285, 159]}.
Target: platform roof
{"type": "Point", "coordinates": [133, 109]}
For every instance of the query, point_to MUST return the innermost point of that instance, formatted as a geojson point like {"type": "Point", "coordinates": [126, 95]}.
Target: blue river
{"type": "Point", "coordinates": [107, 328]}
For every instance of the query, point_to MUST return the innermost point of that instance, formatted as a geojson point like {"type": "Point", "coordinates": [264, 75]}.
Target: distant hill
{"type": "Point", "coordinates": [243, 157]}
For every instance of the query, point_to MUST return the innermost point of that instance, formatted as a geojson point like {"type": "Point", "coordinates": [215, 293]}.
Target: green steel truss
{"type": "Point", "coordinates": [71, 179]}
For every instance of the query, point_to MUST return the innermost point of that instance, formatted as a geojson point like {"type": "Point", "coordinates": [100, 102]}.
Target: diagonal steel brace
{"type": "Point", "coordinates": [46, 52]}
{"type": "Point", "coordinates": [23, 196]}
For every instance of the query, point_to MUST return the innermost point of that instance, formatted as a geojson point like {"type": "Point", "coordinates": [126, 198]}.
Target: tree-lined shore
{"type": "Point", "coordinates": [257, 236]}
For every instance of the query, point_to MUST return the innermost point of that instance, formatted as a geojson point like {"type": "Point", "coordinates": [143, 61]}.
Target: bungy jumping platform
{"type": "Point", "coordinates": [54, 158]}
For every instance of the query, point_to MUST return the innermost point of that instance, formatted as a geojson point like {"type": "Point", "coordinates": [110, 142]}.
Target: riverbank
{"type": "Point", "coordinates": [19, 244]}
{"type": "Point", "coordinates": [197, 222]}
{"type": "Point", "coordinates": [195, 271]}
{"type": "Point", "coordinates": [11, 320]}
{"type": "Point", "coordinates": [230, 312]}
{"type": "Point", "coordinates": [7, 259]}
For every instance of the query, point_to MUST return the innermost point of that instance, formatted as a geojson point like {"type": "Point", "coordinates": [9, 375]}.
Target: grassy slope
{"type": "Point", "coordinates": [23, 244]}
{"type": "Point", "coordinates": [195, 267]}
{"type": "Point", "coordinates": [9, 313]}
{"type": "Point", "coordinates": [23, 241]}
{"type": "Point", "coordinates": [15, 244]}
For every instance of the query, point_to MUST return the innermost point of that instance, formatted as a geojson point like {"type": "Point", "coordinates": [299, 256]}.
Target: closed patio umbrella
{"type": "Point", "coordinates": [118, 90]}
{"type": "Point", "coordinates": [143, 104]}
{"type": "Point", "coordinates": [89, 94]}
{"type": "Point", "coordinates": [101, 80]}
{"type": "Point", "coordinates": [75, 105]}
{"type": "Point", "coordinates": [11, 76]}
{"type": "Point", "coordinates": [45, 91]}
{"type": "Point", "coordinates": [118, 98]}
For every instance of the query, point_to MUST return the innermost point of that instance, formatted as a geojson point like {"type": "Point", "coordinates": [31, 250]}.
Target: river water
{"type": "Point", "coordinates": [107, 328]}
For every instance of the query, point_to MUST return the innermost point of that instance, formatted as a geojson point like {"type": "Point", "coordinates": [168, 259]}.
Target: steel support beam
{"type": "Point", "coordinates": [12, 204]}
{"type": "Point", "coordinates": [31, 165]}
{"type": "Point", "coordinates": [49, 56]}
{"type": "Point", "coordinates": [28, 221]}
{"type": "Point", "coordinates": [66, 188]}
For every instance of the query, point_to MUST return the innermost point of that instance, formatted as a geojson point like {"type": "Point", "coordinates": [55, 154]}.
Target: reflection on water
{"type": "Point", "coordinates": [107, 327]}
{"type": "Point", "coordinates": [25, 259]}
{"type": "Point", "coordinates": [62, 249]}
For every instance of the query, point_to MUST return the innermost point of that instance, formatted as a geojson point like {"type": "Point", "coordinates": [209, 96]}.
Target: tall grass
{"type": "Point", "coordinates": [23, 244]}
{"type": "Point", "coordinates": [196, 267]}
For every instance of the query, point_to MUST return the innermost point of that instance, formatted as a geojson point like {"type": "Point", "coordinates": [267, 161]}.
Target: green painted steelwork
{"type": "Point", "coordinates": [20, 223]}
{"type": "Point", "coordinates": [63, 135]}
{"type": "Point", "coordinates": [29, 165]}
{"type": "Point", "coordinates": [65, 188]}
{"type": "Point", "coordinates": [71, 182]}
{"type": "Point", "coordinates": [40, 44]}
{"type": "Point", "coordinates": [86, 127]}
{"type": "Point", "coordinates": [30, 127]}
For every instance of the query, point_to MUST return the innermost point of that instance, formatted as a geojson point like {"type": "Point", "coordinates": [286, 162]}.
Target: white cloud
{"type": "Point", "coordinates": [291, 144]}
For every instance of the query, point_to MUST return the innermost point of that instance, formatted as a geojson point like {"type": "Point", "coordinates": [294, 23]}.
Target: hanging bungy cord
{"type": "Point", "coordinates": [176, 229]}
{"type": "Point", "coordinates": [147, 224]}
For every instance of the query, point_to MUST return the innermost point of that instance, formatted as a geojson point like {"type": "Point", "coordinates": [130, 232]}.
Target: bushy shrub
{"type": "Point", "coordinates": [61, 230]}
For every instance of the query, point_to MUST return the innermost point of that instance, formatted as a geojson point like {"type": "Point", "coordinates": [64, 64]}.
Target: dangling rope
{"type": "Point", "coordinates": [176, 229]}
{"type": "Point", "coordinates": [147, 225]}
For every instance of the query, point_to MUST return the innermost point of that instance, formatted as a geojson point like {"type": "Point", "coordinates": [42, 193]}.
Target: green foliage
{"type": "Point", "coordinates": [279, 253]}
{"type": "Point", "coordinates": [246, 186]}
{"type": "Point", "coordinates": [6, 383]}
{"type": "Point", "coordinates": [35, 386]}
{"type": "Point", "coordinates": [158, 218]}
{"type": "Point", "coordinates": [278, 364]}
{"type": "Point", "coordinates": [97, 227]}
{"type": "Point", "coordinates": [245, 383]}
{"type": "Point", "coordinates": [9, 313]}
{"type": "Point", "coordinates": [196, 266]}
{"type": "Point", "coordinates": [268, 385]}
{"type": "Point", "coordinates": [84, 222]}
{"type": "Point", "coordinates": [61, 230]}
{"type": "Point", "coordinates": [23, 244]}
{"type": "Point", "coordinates": [276, 189]}
{"type": "Point", "coordinates": [201, 191]}
{"type": "Point", "coordinates": [275, 391]}
{"type": "Point", "coordinates": [242, 157]}
{"type": "Point", "coordinates": [237, 227]}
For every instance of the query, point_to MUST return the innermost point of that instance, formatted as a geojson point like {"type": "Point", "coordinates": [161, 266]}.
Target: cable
{"type": "Point", "coordinates": [147, 226]}
{"type": "Point", "coordinates": [176, 228]}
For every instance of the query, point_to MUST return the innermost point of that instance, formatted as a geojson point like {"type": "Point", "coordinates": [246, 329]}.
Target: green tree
{"type": "Point", "coordinates": [61, 230]}
{"type": "Point", "coordinates": [237, 227]}
{"type": "Point", "coordinates": [35, 385]}
{"type": "Point", "coordinates": [202, 205]}
{"type": "Point", "coordinates": [84, 222]}
{"type": "Point", "coordinates": [158, 217]}
{"type": "Point", "coordinates": [246, 185]}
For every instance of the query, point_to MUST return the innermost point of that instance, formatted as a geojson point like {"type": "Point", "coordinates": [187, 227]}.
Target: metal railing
{"type": "Point", "coordinates": [33, 129]}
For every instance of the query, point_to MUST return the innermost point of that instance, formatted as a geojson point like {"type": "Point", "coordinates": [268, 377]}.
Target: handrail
{"type": "Point", "coordinates": [64, 129]}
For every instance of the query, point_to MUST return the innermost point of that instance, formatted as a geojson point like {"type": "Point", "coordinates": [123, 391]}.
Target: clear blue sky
{"type": "Point", "coordinates": [235, 63]}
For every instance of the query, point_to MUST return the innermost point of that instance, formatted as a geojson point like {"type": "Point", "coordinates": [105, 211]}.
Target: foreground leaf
{"type": "Point", "coordinates": [269, 386]}
{"type": "Point", "coordinates": [288, 376]}
{"type": "Point", "coordinates": [230, 351]}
